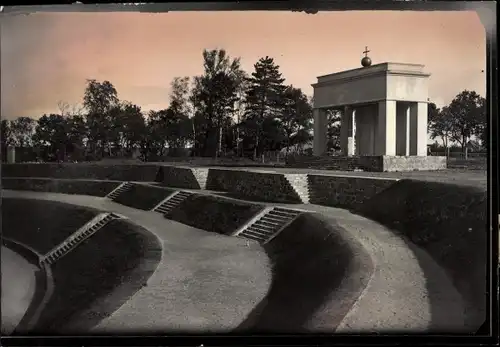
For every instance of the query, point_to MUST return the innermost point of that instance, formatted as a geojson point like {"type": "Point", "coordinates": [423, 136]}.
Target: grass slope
{"type": "Point", "coordinates": [119, 255]}
{"type": "Point", "coordinates": [449, 222]}
{"type": "Point", "coordinates": [311, 259]}
{"type": "Point", "coordinates": [42, 224]}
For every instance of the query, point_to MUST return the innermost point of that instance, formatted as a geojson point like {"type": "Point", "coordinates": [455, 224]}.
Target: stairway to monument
{"type": "Point", "coordinates": [300, 184]}
{"type": "Point", "coordinates": [122, 188]}
{"type": "Point", "coordinates": [83, 233]}
{"type": "Point", "coordinates": [269, 223]}
{"type": "Point", "coordinates": [171, 202]}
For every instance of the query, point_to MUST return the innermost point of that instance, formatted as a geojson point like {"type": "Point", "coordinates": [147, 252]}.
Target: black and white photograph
{"type": "Point", "coordinates": [246, 172]}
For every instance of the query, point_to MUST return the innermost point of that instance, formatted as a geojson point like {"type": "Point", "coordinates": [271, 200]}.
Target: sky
{"type": "Point", "coordinates": [47, 57]}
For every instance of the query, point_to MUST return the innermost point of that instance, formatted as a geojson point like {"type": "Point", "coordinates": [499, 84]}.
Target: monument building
{"type": "Point", "coordinates": [384, 116]}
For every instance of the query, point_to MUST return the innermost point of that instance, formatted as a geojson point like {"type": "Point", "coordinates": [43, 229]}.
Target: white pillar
{"type": "Point", "coordinates": [348, 131]}
{"type": "Point", "coordinates": [403, 129]}
{"type": "Point", "coordinates": [11, 155]}
{"type": "Point", "coordinates": [320, 132]}
{"type": "Point", "coordinates": [386, 135]}
{"type": "Point", "coordinates": [418, 129]}
{"type": "Point", "coordinates": [344, 130]}
{"type": "Point", "coordinates": [352, 134]}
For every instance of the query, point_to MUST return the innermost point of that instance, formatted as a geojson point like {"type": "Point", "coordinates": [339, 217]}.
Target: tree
{"type": "Point", "coordinates": [178, 125]}
{"type": "Point", "coordinates": [264, 99]}
{"type": "Point", "coordinates": [99, 99]}
{"type": "Point", "coordinates": [213, 96]}
{"type": "Point", "coordinates": [466, 113]}
{"type": "Point", "coordinates": [439, 124]}
{"type": "Point", "coordinates": [21, 131]}
{"type": "Point", "coordinates": [295, 118]}
{"type": "Point", "coordinates": [5, 138]}
{"type": "Point", "coordinates": [127, 128]}
{"type": "Point", "coordinates": [51, 137]}
{"type": "Point", "coordinates": [334, 123]}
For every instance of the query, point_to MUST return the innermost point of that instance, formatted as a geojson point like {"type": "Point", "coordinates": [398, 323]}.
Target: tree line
{"type": "Point", "coordinates": [224, 111]}
{"type": "Point", "coordinates": [221, 111]}
{"type": "Point", "coordinates": [459, 122]}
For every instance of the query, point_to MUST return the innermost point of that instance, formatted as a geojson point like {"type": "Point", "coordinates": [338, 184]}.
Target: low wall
{"type": "Point", "coordinates": [214, 214]}
{"type": "Point", "coordinates": [143, 197]}
{"type": "Point", "coordinates": [81, 295]}
{"type": "Point", "coordinates": [345, 191]}
{"type": "Point", "coordinates": [449, 222]}
{"type": "Point", "coordinates": [104, 171]}
{"type": "Point", "coordinates": [317, 266]}
{"type": "Point", "coordinates": [94, 188]}
{"type": "Point", "coordinates": [413, 163]}
{"type": "Point", "coordinates": [374, 163]}
{"type": "Point", "coordinates": [271, 187]}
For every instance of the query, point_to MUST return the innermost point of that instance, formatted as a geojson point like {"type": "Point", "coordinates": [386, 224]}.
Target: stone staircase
{"type": "Point", "coordinates": [122, 188]}
{"type": "Point", "coordinates": [300, 184]}
{"type": "Point", "coordinates": [172, 201]}
{"type": "Point", "coordinates": [201, 176]}
{"type": "Point", "coordinates": [83, 233]}
{"type": "Point", "coordinates": [267, 224]}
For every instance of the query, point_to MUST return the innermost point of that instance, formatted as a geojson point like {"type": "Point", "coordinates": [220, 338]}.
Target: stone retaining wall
{"type": "Point", "coordinates": [140, 173]}
{"type": "Point", "coordinates": [263, 186]}
{"type": "Point", "coordinates": [94, 188]}
{"type": "Point", "coordinates": [345, 191]}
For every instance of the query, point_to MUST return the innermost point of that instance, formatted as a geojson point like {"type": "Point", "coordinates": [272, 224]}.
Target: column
{"type": "Point", "coordinates": [402, 129]}
{"type": "Point", "coordinates": [348, 131]}
{"type": "Point", "coordinates": [418, 129]}
{"type": "Point", "coordinates": [11, 155]}
{"type": "Point", "coordinates": [320, 132]}
{"type": "Point", "coordinates": [386, 134]}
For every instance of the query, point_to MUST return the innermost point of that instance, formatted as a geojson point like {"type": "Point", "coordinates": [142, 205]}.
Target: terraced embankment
{"type": "Point", "coordinates": [444, 227]}
{"type": "Point", "coordinates": [85, 275]}
{"type": "Point", "coordinates": [447, 221]}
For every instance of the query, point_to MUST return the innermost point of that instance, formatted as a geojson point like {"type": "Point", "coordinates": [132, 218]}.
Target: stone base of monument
{"type": "Point", "coordinates": [372, 163]}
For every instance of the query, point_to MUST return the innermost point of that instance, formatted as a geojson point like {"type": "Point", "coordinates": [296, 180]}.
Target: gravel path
{"type": "Point", "coordinates": [204, 279]}
{"type": "Point", "coordinates": [18, 288]}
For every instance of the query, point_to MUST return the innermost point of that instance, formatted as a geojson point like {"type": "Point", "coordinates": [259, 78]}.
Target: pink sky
{"type": "Point", "coordinates": [46, 57]}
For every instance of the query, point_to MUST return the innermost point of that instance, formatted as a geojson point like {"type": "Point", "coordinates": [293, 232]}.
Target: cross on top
{"type": "Point", "coordinates": [366, 51]}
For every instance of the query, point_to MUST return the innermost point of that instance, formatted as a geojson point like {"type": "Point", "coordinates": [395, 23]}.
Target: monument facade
{"type": "Point", "coordinates": [384, 114]}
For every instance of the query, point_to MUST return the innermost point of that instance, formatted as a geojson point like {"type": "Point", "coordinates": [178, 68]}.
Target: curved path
{"type": "Point", "coordinates": [18, 288]}
{"type": "Point", "coordinates": [211, 282]}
